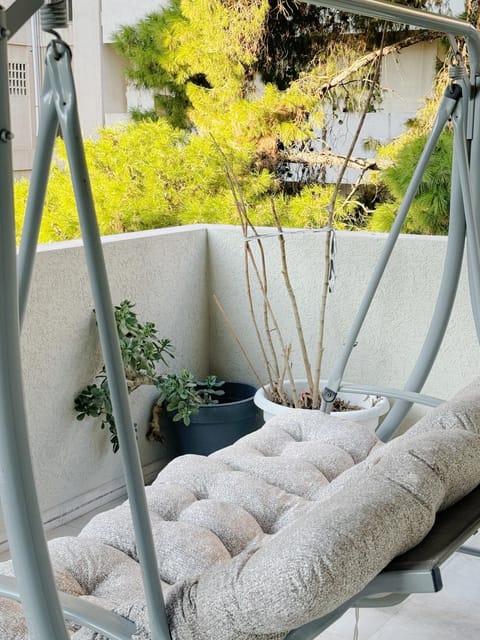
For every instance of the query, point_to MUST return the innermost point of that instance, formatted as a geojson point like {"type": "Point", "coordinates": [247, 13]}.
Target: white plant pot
{"type": "Point", "coordinates": [373, 407]}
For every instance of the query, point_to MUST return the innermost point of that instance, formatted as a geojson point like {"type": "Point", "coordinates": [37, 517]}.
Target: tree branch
{"type": "Point", "coordinates": [330, 159]}
{"type": "Point", "coordinates": [369, 58]}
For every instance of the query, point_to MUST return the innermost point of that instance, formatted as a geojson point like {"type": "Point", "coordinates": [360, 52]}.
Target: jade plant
{"type": "Point", "coordinates": [181, 394]}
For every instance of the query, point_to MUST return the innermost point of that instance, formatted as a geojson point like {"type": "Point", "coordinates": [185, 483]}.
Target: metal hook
{"type": "Point", "coordinates": [58, 45]}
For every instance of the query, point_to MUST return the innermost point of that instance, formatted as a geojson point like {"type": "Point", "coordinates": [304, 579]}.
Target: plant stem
{"type": "Point", "coordinates": [283, 346]}
{"type": "Point", "coordinates": [237, 340]}
{"type": "Point", "coordinates": [293, 299]}
{"type": "Point", "coordinates": [263, 283]}
{"type": "Point", "coordinates": [293, 388]}
{"type": "Point", "coordinates": [276, 385]}
{"type": "Point", "coordinates": [249, 257]}
{"type": "Point", "coordinates": [330, 221]}
{"type": "Point", "coordinates": [254, 320]}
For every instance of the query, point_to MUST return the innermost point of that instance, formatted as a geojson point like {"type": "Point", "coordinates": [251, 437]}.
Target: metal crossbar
{"type": "Point", "coordinates": [44, 607]}
{"type": "Point", "coordinates": [80, 612]}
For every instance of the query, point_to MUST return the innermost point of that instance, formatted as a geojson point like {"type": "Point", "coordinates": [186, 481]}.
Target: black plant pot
{"type": "Point", "coordinates": [219, 425]}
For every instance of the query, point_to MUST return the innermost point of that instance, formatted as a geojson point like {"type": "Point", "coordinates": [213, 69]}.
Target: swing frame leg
{"type": "Point", "coordinates": [464, 225]}
{"type": "Point", "coordinates": [17, 485]}
{"type": "Point", "coordinates": [465, 202]}
{"type": "Point", "coordinates": [29, 548]}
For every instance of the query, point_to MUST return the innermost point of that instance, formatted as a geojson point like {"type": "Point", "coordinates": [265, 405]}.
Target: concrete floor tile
{"type": "Point", "coordinates": [370, 621]}
{"type": "Point", "coordinates": [422, 622]}
{"type": "Point", "coordinates": [451, 614]}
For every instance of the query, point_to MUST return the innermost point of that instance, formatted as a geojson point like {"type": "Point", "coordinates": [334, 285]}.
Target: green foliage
{"type": "Point", "coordinates": [307, 209]}
{"type": "Point", "coordinates": [222, 44]}
{"type": "Point", "coordinates": [129, 167]}
{"type": "Point", "coordinates": [145, 51]}
{"type": "Point", "coordinates": [141, 349]}
{"type": "Point", "coordinates": [142, 352]}
{"type": "Point", "coordinates": [429, 213]}
{"type": "Point", "coordinates": [94, 401]}
{"type": "Point", "coordinates": [193, 43]}
{"type": "Point", "coordinates": [183, 395]}
{"type": "Point", "coordinates": [150, 175]}
{"type": "Point", "coordinates": [200, 57]}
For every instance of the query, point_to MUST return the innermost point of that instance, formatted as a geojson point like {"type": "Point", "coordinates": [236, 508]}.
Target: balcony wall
{"type": "Point", "coordinates": [172, 275]}
{"type": "Point", "coordinates": [164, 274]}
{"type": "Point", "coordinates": [395, 328]}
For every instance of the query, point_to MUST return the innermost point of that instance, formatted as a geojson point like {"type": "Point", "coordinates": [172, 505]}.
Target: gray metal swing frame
{"type": "Point", "coordinates": [45, 609]}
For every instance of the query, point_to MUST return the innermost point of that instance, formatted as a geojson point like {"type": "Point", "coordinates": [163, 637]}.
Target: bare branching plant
{"type": "Point", "coordinates": [275, 348]}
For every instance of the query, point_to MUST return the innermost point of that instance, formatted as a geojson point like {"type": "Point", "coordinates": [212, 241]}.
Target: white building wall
{"type": "Point", "coordinates": [406, 81]}
{"type": "Point", "coordinates": [99, 70]}
{"type": "Point", "coordinates": [113, 87]}
{"type": "Point", "coordinates": [117, 14]}
{"type": "Point", "coordinates": [407, 77]}
{"type": "Point", "coordinates": [380, 127]}
{"type": "Point", "coordinates": [22, 106]}
{"type": "Point", "coordinates": [120, 13]}
{"type": "Point", "coordinates": [88, 64]}
{"type": "Point", "coordinates": [25, 108]}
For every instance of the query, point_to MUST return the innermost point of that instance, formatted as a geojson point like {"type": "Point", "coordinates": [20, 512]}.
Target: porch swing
{"type": "Point", "coordinates": [278, 535]}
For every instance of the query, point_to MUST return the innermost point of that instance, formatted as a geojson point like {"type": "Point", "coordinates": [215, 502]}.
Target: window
{"type": "Point", "coordinates": [17, 79]}
{"type": "Point", "coordinates": [70, 10]}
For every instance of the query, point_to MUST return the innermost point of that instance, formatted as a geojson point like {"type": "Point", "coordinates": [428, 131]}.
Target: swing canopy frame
{"type": "Point", "coordinates": [34, 585]}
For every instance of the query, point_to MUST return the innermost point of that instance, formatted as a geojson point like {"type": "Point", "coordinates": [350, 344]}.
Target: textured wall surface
{"type": "Point", "coordinates": [171, 275]}
{"type": "Point", "coordinates": [163, 274]}
{"type": "Point", "coordinates": [395, 327]}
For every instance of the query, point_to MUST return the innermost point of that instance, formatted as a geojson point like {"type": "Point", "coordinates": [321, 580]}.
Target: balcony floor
{"type": "Point", "coordinates": [451, 613]}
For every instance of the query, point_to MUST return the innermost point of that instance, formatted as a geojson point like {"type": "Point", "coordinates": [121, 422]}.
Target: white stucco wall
{"type": "Point", "coordinates": [171, 275]}
{"type": "Point", "coordinates": [394, 330]}
{"type": "Point", "coordinates": [164, 274]}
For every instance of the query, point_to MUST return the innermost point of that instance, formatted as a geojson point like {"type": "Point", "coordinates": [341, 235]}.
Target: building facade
{"type": "Point", "coordinates": [105, 98]}
{"type": "Point", "coordinates": [103, 95]}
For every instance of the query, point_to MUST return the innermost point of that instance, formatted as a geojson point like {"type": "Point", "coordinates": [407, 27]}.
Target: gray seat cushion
{"type": "Point", "coordinates": [278, 529]}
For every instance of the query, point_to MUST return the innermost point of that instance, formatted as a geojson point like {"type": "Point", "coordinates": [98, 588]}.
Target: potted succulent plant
{"type": "Point", "coordinates": [222, 412]}
{"type": "Point", "coordinates": [208, 414]}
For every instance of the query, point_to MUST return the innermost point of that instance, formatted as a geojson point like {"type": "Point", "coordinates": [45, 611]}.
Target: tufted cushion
{"type": "Point", "coordinates": [280, 528]}
{"type": "Point", "coordinates": [86, 569]}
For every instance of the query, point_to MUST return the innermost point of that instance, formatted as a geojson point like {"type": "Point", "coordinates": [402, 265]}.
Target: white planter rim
{"type": "Point", "coordinates": [372, 406]}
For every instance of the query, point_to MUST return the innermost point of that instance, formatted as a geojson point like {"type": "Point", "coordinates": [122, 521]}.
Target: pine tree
{"type": "Point", "coordinates": [252, 78]}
